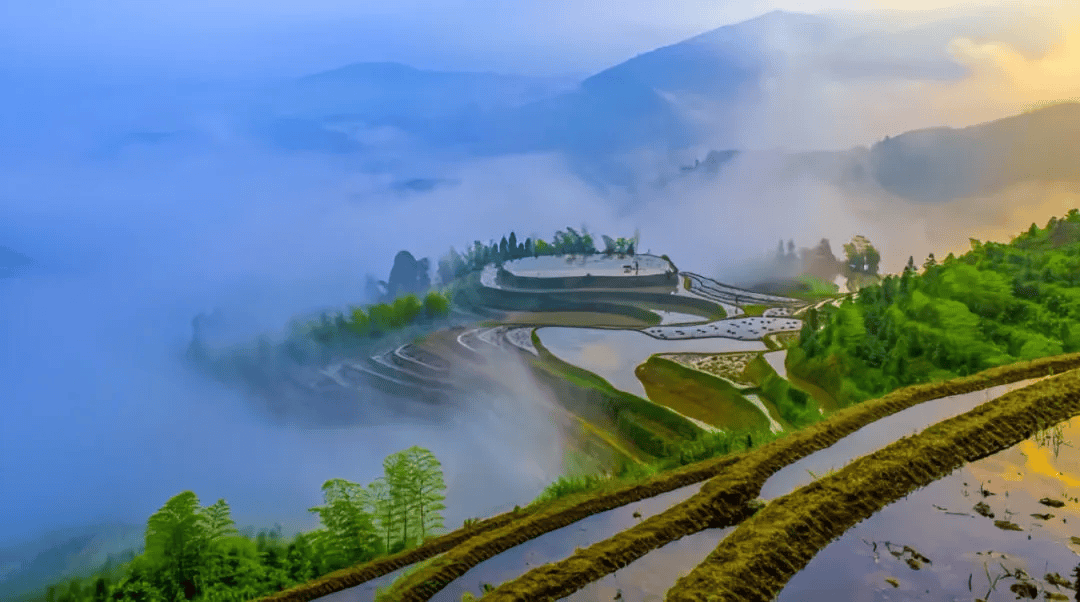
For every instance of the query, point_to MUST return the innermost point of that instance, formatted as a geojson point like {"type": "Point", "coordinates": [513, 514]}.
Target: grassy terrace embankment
{"type": "Point", "coordinates": [757, 560]}
{"type": "Point", "coordinates": [357, 575]}
{"type": "Point", "coordinates": [426, 582]}
{"type": "Point", "coordinates": [649, 426]}
{"type": "Point", "coordinates": [699, 395]}
{"type": "Point", "coordinates": [727, 498]}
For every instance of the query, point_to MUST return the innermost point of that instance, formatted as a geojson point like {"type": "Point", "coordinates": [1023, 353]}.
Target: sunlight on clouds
{"type": "Point", "coordinates": [1000, 70]}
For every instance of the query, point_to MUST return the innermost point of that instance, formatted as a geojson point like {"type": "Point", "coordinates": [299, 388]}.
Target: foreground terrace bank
{"type": "Point", "coordinates": [759, 557]}
{"type": "Point", "coordinates": [729, 497]}
{"type": "Point", "coordinates": [561, 512]}
{"type": "Point", "coordinates": [724, 500]}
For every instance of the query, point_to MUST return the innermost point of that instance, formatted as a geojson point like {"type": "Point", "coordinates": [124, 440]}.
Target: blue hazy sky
{"type": "Point", "coordinates": [289, 37]}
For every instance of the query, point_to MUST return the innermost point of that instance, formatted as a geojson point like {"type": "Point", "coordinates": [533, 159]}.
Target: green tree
{"type": "Point", "coordinates": [436, 305]}
{"type": "Point", "coordinates": [426, 488]}
{"type": "Point", "coordinates": [930, 262]}
{"type": "Point", "coordinates": [399, 477]}
{"type": "Point", "coordinates": [360, 323]}
{"type": "Point", "coordinates": [512, 245]}
{"type": "Point", "coordinates": [405, 310]}
{"type": "Point", "coordinates": [382, 318]}
{"type": "Point", "coordinates": [350, 529]}
{"type": "Point", "coordinates": [178, 538]}
{"type": "Point", "coordinates": [386, 514]}
{"type": "Point", "coordinates": [101, 590]}
{"type": "Point", "coordinates": [862, 257]}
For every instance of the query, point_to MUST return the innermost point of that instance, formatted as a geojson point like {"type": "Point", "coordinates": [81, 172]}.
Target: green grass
{"type": "Point", "coordinates": [794, 405]}
{"type": "Point", "coordinates": [699, 395]}
{"type": "Point", "coordinates": [754, 310]}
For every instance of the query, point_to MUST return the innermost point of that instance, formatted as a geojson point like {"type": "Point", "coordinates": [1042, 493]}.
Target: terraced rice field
{"type": "Point", "coordinates": [729, 366]}
{"type": "Point", "coordinates": [950, 481]}
{"type": "Point", "coordinates": [703, 533]}
{"type": "Point", "coordinates": [615, 354]}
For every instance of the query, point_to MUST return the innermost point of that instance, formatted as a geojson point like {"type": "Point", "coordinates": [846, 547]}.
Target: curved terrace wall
{"type": "Point", "coordinates": [510, 300]}
{"type": "Point", "coordinates": [505, 278]}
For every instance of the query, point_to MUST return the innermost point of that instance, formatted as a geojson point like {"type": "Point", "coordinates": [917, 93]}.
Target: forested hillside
{"type": "Point", "coordinates": [995, 304]}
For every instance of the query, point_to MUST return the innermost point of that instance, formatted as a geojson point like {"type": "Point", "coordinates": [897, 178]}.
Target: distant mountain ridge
{"type": "Point", "coordinates": [35, 564]}
{"type": "Point", "coordinates": [940, 164]}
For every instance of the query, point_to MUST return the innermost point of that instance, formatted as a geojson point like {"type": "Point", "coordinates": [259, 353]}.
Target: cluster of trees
{"type": "Point", "coordinates": [995, 304]}
{"type": "Point", "coordinates": [195, 553]}
{"type": "Point", "coordinates": [314, 340]}
{"type": "Point", "coordinates": [564, 242]}
{"type": "Point", "coordinates": [861, 258]}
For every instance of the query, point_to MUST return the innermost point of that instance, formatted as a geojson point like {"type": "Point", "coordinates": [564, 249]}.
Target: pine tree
{"type": "Point", "coordinates": [930, 262]}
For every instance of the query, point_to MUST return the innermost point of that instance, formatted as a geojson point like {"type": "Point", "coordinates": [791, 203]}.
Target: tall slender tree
{"type": "Point", "coordinates": [426, 488]}
{"type": "Point", "coordinates": [398, 475]}
{"type": "Point", "coordinates": [382, 506]}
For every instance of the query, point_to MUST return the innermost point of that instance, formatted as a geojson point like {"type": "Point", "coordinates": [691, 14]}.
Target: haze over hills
{"type": "Point", "coordinates": [384, 92]}
{"type": "Point", "coordinates": [942, 164]}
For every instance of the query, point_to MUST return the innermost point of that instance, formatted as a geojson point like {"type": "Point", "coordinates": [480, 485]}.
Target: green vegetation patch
{"type": "Point", "coordinates": [761, 556]}
{"type": "Point", "coordinates": [754, 310]}
{"type": "Point", "coordinates": [794, 405]}
{"type": "Point", "coordinates": [653, 428]}
{"type": "Point", "coordinates": [699, 395]}
{"type": "Point", "coordinates": [996, 304]}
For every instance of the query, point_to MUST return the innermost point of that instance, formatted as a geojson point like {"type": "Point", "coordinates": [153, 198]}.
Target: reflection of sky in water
{"type": "Point", "coordinates": [877, 435]}
{"type": "Point", "coordinates": [674, 317]}
{"type": "Point", "coordinates": [960, 545]}
{"type": "Point", "coordinates": [649, 577]}
{"type": "Point", "coordinates": [560, 544]}
{"type": "Point", "coordinates": [613, 354]}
